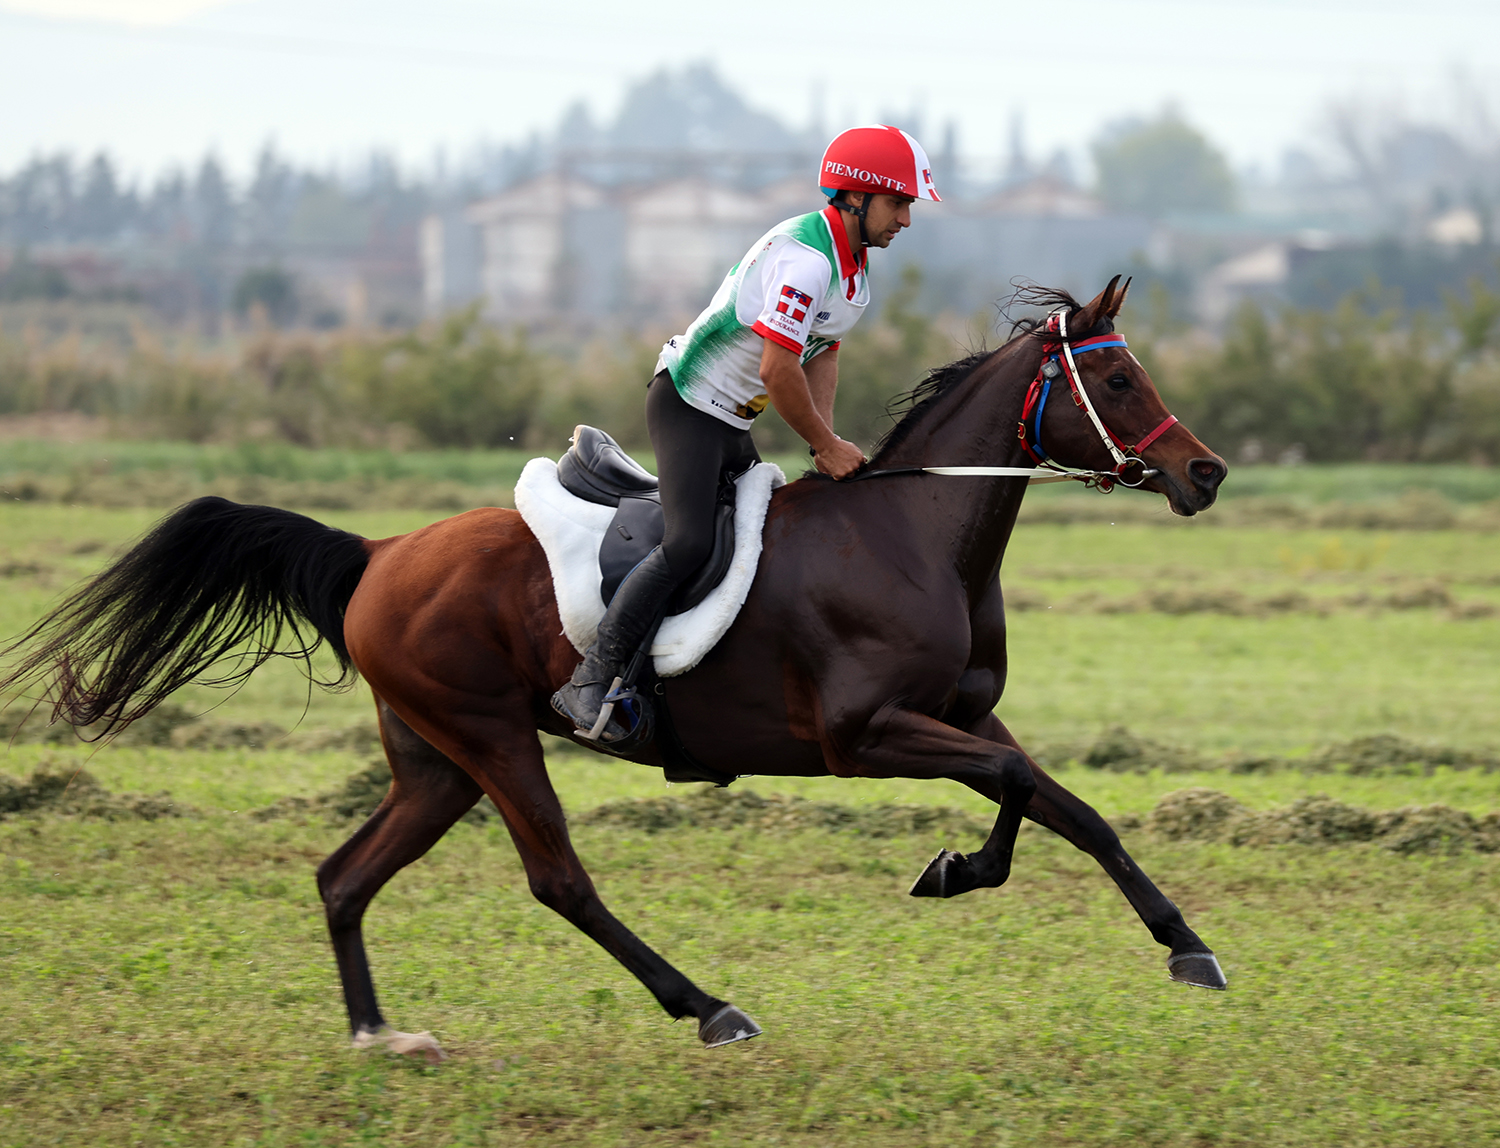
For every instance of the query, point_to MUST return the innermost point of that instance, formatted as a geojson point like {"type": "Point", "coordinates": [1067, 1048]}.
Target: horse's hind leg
{"type": "Point", "coordinates": [428, 794]}
{"type": "Point", "coordinates": [1070, 817]}
{"type": "Point", "coordinates": [506, 756]}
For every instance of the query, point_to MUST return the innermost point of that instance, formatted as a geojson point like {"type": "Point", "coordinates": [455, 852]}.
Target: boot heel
{"type": "Point", "coordinates": [606, 711]}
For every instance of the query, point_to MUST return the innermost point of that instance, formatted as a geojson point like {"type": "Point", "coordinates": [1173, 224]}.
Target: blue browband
{"type": "Point", "coordinates": [1098, 344]}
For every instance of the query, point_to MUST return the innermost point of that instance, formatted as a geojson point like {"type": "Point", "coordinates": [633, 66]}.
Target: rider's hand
{"type": "Point", "coordinates": [839, 460]}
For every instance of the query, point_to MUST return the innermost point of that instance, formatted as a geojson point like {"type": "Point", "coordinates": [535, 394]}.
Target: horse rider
{"type": "Point", "coordinates": [770, 333]}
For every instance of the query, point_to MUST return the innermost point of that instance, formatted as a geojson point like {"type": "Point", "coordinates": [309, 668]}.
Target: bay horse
{"type": "Point", "coordinates": [872, 644]}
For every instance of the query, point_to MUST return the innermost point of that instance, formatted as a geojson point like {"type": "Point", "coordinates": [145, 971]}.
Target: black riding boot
{"type": "Point", "coordinates": [632, 618]}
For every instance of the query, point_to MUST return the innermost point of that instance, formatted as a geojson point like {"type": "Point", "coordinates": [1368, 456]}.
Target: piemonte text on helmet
{"type": "Point", "coordinates": [863, 176]}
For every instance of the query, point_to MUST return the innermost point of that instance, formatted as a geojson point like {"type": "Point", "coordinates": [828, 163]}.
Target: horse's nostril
{"type": "Point", "coordinates": [1207, 472]}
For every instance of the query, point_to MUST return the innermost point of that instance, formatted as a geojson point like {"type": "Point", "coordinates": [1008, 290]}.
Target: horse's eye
{"type": "Point", "coordinates": [1119, 383]}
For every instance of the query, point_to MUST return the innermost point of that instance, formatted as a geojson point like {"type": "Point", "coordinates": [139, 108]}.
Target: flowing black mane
{"type": "Point", "coordinates": [909, 407]}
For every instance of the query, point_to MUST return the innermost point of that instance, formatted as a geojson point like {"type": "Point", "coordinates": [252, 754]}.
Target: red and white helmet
{"type": "Point", "coordinates": [879, 158]}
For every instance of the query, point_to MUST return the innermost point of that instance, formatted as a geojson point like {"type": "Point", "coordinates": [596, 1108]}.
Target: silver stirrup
{"type": "Point", "coordinates": [606, 711]}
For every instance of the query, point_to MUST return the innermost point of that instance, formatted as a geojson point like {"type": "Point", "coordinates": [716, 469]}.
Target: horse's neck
{"type": "Point", "coordinates": [974, 424]}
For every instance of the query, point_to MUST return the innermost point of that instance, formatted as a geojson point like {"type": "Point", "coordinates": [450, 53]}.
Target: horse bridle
{"type": "Point", "coordinates": [1057, 359]}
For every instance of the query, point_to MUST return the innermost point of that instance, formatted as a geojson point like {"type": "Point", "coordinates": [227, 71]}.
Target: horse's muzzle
{"type": "Point", "coordinates": [1206, 474]}
{"type": "Point", "coordinates": [1203, 476]}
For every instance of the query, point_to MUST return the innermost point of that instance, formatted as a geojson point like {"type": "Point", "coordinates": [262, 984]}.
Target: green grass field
{"type": "Point", "coordinates": [169, 982]}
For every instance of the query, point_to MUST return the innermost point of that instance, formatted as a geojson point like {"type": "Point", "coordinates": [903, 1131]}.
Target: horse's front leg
{"type": "Point", "coordinates": [1070, 817]}
{"type": "Point", "coordinates": [900, 742]}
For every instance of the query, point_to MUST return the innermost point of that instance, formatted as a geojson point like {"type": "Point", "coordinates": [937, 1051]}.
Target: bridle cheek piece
{"type": "Point", "coordinates": [1057, 360]}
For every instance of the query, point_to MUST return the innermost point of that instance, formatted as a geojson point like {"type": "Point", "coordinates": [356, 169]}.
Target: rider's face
{"type": "Point", "coordinates": [888, 215]}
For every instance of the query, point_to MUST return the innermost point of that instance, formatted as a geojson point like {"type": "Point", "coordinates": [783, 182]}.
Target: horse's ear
{"type": "Point", "coordinates": [1119, 300]}
{"type": "Point", "coordinates": [1103, 306]}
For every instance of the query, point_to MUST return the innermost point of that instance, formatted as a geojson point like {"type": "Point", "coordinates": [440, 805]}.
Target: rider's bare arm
{"type": "Point", "coordinates": [823, 381]}
{"type": "Point", "coordinates": [791, 392]}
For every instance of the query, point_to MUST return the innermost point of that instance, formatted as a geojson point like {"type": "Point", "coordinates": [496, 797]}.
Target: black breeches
{"type": "Point", "coordinates": [692, 450]}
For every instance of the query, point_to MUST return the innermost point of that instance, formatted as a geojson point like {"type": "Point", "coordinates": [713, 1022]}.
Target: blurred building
{"type": "Point", "coordinates": [562, 247]}
{"type": "Point", "coordinates": [1041, 230]}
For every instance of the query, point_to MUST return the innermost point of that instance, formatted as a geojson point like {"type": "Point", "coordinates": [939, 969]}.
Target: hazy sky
{"type": "Point", "coordinates": [160, 81]}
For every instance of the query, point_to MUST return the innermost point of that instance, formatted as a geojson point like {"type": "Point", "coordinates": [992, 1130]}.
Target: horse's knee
{"type": "Point", "coordinates": [343, 907]}
{"type": "Point", "coordinates": [563, 893]}
{"type": "Point", "coordinates": [1015, 774]}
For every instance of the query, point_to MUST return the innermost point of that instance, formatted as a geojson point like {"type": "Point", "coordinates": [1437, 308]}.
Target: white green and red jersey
{"type": "Point", "coordinates": [801, 286]}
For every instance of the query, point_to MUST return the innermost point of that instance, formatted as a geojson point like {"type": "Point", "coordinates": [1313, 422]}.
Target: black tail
{"type": "Point", "coordinates": [214, 580]}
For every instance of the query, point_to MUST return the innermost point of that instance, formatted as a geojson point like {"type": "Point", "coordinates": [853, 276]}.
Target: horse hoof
{"type": "Point", "coordinates": [422, 1044]}
{"type": "Point", "coordinates": [727, 1026]}
{"type": "Point", "coordinates": [1201, 969]}
{"type": "Point", "coordinates": [945, 876]}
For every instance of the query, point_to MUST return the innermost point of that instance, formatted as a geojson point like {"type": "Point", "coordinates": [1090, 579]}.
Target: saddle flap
{"type": "Point", "coordinates": [597, 469]}
{"type": "Point", "coordinates": [711, 573]}
{"type": "Point", "coordinates": [637, 529]}
{"type": "Point", "coordinates": [634, 532]}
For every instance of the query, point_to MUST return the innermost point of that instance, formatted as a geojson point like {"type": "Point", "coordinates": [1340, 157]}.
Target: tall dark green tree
{"type": "Point", "coordinates": [1160, 166]}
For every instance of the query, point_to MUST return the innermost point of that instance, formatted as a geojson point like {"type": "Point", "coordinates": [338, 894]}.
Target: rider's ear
{"type": "Point", "coordinates": [1103, 306]}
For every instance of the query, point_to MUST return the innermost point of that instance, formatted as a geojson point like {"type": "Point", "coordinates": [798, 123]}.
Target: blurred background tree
{"type": "Point", "coordinates": [24, 279]}
{"type": "Point", "coordinates": [1156, 167]}
{"type": "Point", "coordinates": [1360, 381]}
{"type": "Point", "coordinates": [457, 383]}
{"type": "Point", "coordinates": [270, 290]}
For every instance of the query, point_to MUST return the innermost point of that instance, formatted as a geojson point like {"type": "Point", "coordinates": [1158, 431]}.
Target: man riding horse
{"type": "Point", "coordinates": [770, 333]}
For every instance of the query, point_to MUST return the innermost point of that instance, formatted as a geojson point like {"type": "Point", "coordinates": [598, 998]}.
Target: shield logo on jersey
{"type": "Point", "coordinates": [793, 303]}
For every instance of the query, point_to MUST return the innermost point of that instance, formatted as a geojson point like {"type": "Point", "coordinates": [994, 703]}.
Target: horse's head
{"type": "Point", "coordinates": [1130, 411]}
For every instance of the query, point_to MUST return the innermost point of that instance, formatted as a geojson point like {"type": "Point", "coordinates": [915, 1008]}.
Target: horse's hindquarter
{"type": "Point", "coordinates": [848, 614]}
{"type": "Point", "coordinates": [464, 606]}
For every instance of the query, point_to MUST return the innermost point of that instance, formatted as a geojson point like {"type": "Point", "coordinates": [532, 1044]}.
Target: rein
{"type": "Point", "coordinates": [1057, 360]}
{"type": "Point", "coordinates": [1035, 475]}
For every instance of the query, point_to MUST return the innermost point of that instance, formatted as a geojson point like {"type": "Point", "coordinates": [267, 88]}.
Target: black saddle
{"type": "Point", "coordinates": [598, 470]}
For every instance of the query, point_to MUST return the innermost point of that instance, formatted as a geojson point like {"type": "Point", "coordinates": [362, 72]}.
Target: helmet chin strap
{"type": "Point", "coordinates": [858, 212]}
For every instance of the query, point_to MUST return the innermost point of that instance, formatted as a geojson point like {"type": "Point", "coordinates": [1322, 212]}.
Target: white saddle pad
{"type": "Point", "coordinates": [571, 529]}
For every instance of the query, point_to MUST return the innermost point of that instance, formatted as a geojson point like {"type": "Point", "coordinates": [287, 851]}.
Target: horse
{"type": "Point", "coordinates": [871, 644]}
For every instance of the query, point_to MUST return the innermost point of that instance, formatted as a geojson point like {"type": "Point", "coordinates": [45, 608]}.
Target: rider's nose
{"type": "Point", "coordinates": [1207, 473]}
